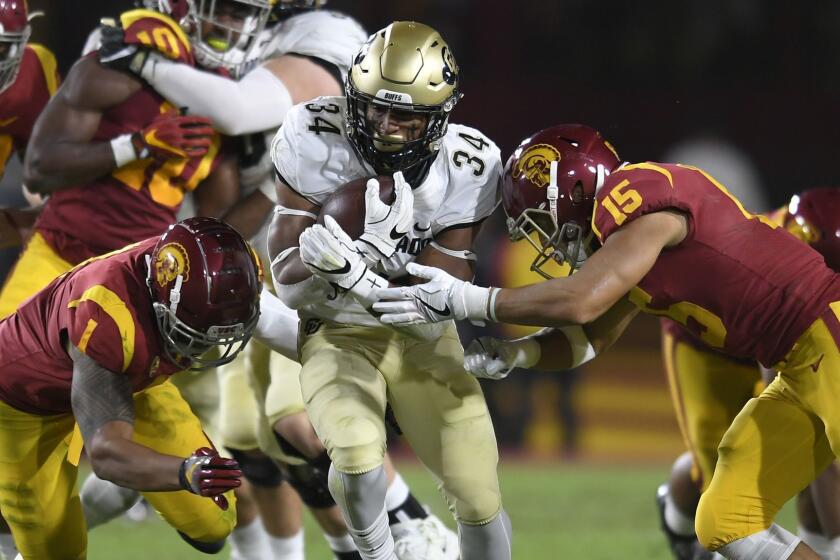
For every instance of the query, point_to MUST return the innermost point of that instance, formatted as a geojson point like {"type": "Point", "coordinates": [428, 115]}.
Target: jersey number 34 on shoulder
{"type": "Point", "coordinates": [321, 124]}
{"type": "Point", "coordinates": [460, 157]}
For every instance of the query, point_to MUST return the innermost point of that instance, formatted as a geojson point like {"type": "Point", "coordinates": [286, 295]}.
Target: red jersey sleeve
{"type": "Point", "coordinates": [633, 191]}
{"type": "Point", "coordinates": [103, 327]}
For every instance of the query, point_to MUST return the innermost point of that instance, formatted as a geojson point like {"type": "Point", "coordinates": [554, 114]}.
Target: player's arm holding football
{"type": "Point", "coordinates": [103, 406]}
{"type": "Point", "coordinates": [62, 152]}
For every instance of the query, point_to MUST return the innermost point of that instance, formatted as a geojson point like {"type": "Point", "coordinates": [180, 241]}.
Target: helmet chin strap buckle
{"type": "Point", "coordinates": [553, 192]}
{"type": "Point", "coordinates": [175, 294]}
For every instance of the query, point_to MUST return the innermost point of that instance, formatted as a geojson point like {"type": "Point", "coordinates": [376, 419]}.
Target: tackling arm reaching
{"type": "Point", "coordinates": [104, 408]}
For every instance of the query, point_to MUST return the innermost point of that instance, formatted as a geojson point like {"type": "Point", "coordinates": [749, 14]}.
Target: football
{"type": "Point", "coordinates": [347, 204]}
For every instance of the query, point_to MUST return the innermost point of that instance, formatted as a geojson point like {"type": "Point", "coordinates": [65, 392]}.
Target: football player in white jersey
{"type": "Point", "coordinates": [393, 119]}
{"type": "Point", "coordinates": [304, 54]}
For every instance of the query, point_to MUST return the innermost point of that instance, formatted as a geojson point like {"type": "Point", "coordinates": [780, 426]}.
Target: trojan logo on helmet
{"type": "Point", "coordinates": [535, 164]}
{"type": "Point", "coordinates": [172, 260]}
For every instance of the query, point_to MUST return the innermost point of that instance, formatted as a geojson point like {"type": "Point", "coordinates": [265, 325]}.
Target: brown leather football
{"type": "Point", "coordinates": [347, 204]}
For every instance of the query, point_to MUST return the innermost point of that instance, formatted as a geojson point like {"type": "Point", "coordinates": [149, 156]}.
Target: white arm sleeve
{"type": "Point", "coordinates": [277, 327]}
{"type": "Point", "coordinates": [257, 102]}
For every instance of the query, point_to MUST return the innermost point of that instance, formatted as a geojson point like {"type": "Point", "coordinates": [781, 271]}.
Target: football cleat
{"type": "Point", "coordinates": [425, 539]}
{"type": "Point", "coordinates": [683, 547]}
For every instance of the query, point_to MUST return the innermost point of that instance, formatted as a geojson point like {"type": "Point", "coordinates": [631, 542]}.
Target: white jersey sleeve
{"type": "Point", "coordinates": [474, 169]}
{"type": "Point", "coordinates": [311, 151]}
{"type": "Point", "coordinates": [329, 36]}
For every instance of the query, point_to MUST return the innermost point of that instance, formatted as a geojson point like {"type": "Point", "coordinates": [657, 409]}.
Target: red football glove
{"type": "Point", "coordinates": [207, 474]}
{"type": "Point", "coordinates": [174, 136]}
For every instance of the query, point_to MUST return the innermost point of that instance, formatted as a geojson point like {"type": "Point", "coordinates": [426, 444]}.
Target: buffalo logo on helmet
{"type": "Point", "coordinates": [535, 164]}
{"type": "Point", "coordinates": [450, 75]}
{"type": "Point", "coordinates": [172, 261]}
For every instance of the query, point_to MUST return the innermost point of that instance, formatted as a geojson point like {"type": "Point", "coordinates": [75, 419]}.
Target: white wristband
{"type": "Point", "coordinates": [475, 300]}
{"type": "Point", "coordinates": [582, 350]}
{"type": "Point", "coordinates": [123, 150]}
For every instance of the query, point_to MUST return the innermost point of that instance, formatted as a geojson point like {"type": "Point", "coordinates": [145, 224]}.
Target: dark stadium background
{"type": "Point", "coordinates": [753, 80]}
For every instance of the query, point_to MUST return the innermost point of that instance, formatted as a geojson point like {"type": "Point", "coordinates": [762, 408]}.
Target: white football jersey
{"type": "Point", "coordinates": [330, 36]}
{"type": "Point", "coordinates": [312, 154]}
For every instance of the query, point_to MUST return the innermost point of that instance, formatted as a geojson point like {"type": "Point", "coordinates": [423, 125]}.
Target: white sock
{"type": "Point", "coordinates": [250, 542]}
{"type": "Point", "coordinates": [7, 546]}
{"type": "Point", "coordinates": [397, 493]}
{"type": "Point", "coordinates": [677, 521]}
{"type": "Point", "coordinates": [103, 501]}
{"type": "Point", "coordinates": [344, 543]}
{"type": "Point", "coordinates": [375, 542]}
{"type": "Point", "coordinates": [819, 543]}
{"type": "Point", "coordinates": [287, 548]}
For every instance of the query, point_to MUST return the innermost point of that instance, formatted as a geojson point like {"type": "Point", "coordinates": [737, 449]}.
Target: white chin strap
{"type": "Point", "coordinates": [552, 192]}
{"type": "Point", "coordinates": [601, 173]}
{"type": "Point", "coordinates": [175, 294]}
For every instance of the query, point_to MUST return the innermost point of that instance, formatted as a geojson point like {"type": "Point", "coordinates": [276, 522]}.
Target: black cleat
{"type": "Point", "coordinates": [683, 547]}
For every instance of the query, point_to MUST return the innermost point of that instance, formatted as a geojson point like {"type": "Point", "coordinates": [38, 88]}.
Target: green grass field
{"type": "Point", "coordinates": [580, 511]}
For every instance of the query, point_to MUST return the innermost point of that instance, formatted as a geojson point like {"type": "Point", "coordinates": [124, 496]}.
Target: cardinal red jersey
{"type": "Point", "coordinates": [104, 308]}
{"type": "Point", "coordinates": [738, 282]}
{"type": "Point", "coordinates": [140, 199]}
{"type": "Point", "coordinates": [24, 100]}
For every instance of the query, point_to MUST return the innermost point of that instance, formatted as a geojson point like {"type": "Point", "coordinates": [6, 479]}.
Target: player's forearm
{"type": "Point", "coordinates": [61, 165]}
{"type": "Point", "coordinates": [554, 303]}
{"type": "Point", "coordinates": [249, 214]}
{"type": "Point", "coordinates": [257, 102]}
{"type": "Point", "coordinates": [132, 465]}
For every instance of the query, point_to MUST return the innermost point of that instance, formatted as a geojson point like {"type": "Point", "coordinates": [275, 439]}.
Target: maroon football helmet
{"type": "Point", "coordinates": [205, 284]}
{"type": "Point", "coordinates": [814, 216]}
{"type": "Point", "coordinates": [549, 189]}
{"type": "Point", "coordinates": [14, 32]}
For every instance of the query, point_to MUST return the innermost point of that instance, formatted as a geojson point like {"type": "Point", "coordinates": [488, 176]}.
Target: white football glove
{"type": "Point", "coordinates": [443, 298]}
{"type": "Point", "coordinates": [494, 358]}
{"type": "Point", "coordinates": [386, 225]}
{"type": "Point", "coordinates": [329, 253]}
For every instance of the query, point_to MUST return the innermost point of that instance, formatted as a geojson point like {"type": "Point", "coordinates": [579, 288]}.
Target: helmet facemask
{"type": "Point", "coordinates": [225, 33]}
{"type": "Point", "coordinates": [12, 46]}
{"type": "Point", "coordinates": [568, 243]}
{"type": "Point", "coordinates": [390, 153]}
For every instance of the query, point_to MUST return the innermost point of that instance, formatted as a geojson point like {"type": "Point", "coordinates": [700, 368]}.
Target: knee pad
{"type": "Point", "coordinates": [258, 469]}
{"type": "Point", "coordinates": [310, 482]}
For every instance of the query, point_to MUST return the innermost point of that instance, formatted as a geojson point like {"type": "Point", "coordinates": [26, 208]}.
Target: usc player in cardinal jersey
{"type": "Point", "coordinates": [95, 349]}
{"type": "Point", "coordinates": [28, 78]}
{"type": "Point", "coordinates": [709, 389]}
{"type": "Point", "coordinates": [671, 241]}
{"type": "Point", "coordinates": [116, 159]}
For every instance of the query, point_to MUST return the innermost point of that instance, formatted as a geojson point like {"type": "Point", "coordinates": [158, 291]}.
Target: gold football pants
{"type": "Point", "coordinates": [37, 266]}
{"type": "Point", "coordinates": [708, 390]}
{"type": "Point", "coordinates": [350, 372]}
{"type": "Point", "coordinates": [38, 494]}
{"type": "Point", "coordinates": [779, 442]}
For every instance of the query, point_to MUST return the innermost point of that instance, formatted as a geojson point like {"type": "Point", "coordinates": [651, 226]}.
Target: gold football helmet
{"type": "Point", "coordinates": [408, 69]}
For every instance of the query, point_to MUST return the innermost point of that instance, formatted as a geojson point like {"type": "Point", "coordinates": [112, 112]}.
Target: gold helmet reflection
{"type": "Point", "coordinates": [408, 67]}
